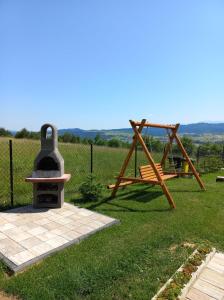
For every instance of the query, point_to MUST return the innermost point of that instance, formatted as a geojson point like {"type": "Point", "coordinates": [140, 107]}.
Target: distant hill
{"type": "Point", "coordinates": [125, 134]}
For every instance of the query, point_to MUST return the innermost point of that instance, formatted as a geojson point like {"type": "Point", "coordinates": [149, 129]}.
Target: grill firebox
{"type": "Point", "coordinates": [48, 175]}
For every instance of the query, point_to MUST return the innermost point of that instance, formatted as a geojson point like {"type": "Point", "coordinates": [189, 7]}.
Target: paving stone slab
{"type": "Point", "coordinates": [210, 282]}
{"type": "Point", "coordinates": [195, 294]}
{"type": "Point", "coordinates": [28, 234]}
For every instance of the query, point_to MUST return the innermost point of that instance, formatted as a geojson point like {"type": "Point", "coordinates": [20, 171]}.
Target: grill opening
{"type": "Point", "coordinates": [47, 164]}
{"type": "Point", "coordinates": [47, 198]}
{"type": "Point", "coordinates": [47, 187]}
{"type": "Point", "coordinates": [49, 133]}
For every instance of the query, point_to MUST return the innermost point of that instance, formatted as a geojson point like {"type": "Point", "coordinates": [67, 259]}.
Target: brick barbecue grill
{"type": "Point", "coordinates": [48, 176]}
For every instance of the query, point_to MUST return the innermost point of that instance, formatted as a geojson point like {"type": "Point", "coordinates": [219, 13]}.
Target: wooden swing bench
{"type": "Point", "coordinates": [153, 172]}
{"type": "Point", "coordinates": [147, 176]}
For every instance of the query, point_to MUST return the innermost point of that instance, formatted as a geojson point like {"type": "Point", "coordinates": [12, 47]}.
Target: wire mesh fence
{"type": "Point", "coordinates": [80, 160]}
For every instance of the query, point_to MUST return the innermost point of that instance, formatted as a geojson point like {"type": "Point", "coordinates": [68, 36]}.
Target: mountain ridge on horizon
{"type": "Point", "coordinates": [193, 129]}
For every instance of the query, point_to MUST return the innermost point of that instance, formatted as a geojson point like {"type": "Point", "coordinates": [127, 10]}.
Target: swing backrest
{"type": "Point", "coordinates": [147, 172]}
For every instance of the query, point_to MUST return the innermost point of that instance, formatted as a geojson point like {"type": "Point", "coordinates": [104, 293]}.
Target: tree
{"type": "Point", "coordinates": [99, 141]}
{"type": "Point", "coordinates": [154, 145]}
{"type": "Point", "coordinates": [216, 149]}
{"type": "Point", "coordinates": [66, 137]}
{"type": "Point", "coordinates": [188, 144]}
{"type": "Point", "coordinates": [4, 132]}
{"type": "Point", "coordinates": [34, 135]}
{"type": "Point", "coordinates": [114, 143]}
{"type": "Point", "coordinates": [22, 134]}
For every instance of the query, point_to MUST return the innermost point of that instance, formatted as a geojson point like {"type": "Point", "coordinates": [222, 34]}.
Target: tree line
{"type": "Point", "coordinates": [66, 138]}
{"type": "Point", "coordinates": [153, 144]}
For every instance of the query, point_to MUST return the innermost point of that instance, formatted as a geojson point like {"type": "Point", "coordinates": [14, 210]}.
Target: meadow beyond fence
{"type": "Point", "coordinates": [17, 158]}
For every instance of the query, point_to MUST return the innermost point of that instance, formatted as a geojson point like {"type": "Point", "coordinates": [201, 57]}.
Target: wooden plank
{"type": "Point", "coordinates": [122, 184]}
{"type": "Point", "coordinates": [168, 195]}
{"type": "Point", "coordinates": [127, 159]}
{"type": "Point", "coordinates": [189, 162]}
{"type": "Point", "coordinates": [149, 166]}
{"type": "Point", "coordinates": [150, 171]}
{"type": "Point", "coordinates": [148, 155]}
{"type": "Point", "coordinates": [149, 177]}
{"type": "Point", "coordinates": [179, 173]}
{"type": "Point", "coordinates": [166, 177]}
{"type": "Point", "coordinates": [152, 163]}
{"type": "Point", "coordinates": [140, 180]}
{"type": "Point", "coordinates": [147, 172]}
{"type": "Point", "coordinates": [165, 126]}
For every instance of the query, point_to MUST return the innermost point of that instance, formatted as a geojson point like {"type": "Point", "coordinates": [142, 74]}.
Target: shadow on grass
{"type": "Point", "coordinates": [173, 190]}
{"type": "Point", "coordinates": [122, 208]}
{"type": "Point", "coordinates": [143, 196]}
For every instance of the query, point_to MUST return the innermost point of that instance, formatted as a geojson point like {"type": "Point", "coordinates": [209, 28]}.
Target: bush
{"type": "Point", "coordinates": [114, 143]}
{"type": "Point", "coordinates": [90, 189]}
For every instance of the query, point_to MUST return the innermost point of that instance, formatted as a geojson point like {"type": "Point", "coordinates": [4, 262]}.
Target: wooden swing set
{"type": "Point", "coordinates": [153, 172]}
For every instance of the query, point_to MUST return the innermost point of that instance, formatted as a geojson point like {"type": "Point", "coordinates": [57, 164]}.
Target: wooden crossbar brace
{"type": "Point", "coordinates": [137, 128]}
{"type": "Point", "coordinates": [173, 137]}
{"type": "Point", "coordinates": [125, 164]}
{"type": "Point", "coordinates": [154, 125]}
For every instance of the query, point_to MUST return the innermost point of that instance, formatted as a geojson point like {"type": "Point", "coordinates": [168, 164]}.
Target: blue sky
{"type": "Point", "coordinates": [97, 64]}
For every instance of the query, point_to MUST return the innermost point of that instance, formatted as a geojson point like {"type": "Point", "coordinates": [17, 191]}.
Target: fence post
{"type": "Point", "coordinates": [198, 155]}
{"type": "Point", "coordinates": [11, 172]}
{"type": "Point", "coordinates": [136, 158]}
{"type": "Point", "coordinates": [91, 158]}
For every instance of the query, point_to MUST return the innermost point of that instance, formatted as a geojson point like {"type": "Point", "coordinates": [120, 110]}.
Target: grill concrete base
{"type": "Point", "coordinates": [28, 235]}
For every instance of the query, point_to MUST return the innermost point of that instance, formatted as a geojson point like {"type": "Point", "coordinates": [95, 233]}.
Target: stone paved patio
{"type": "Point", "coordinates": [210, 283]}
{"type": "Point", "coordinates": [27, 234]}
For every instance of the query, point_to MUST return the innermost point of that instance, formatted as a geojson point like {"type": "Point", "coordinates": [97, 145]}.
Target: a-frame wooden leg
{"type": "Point", "coordinates": [152, 163]}
{"type": "Point", "coordinates": [168, 195]}
{"type": "Point", "coordinates": [194, 171]}
{"type": "Point", "coordinates": [125, 164]}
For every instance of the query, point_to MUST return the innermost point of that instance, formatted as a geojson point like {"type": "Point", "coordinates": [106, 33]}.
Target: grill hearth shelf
{"type": "Point", "coordinates": [48, 177]}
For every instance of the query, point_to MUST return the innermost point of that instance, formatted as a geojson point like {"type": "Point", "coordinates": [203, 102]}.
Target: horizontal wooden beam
{"type": "Point", "coordinates": [179, 173]}
{"type": "Point", "coordinates": [122, 184]}
{"type": "Point", "coordinates": [165, 126]}
{"type": "Point", "coordinates": [135, 180]}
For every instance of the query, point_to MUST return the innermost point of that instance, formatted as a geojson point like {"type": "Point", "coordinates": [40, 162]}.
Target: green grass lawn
{"type": "Point", "coordinates": [107, 162]}
{"type": "Point", "coordinates": [133, 259]}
